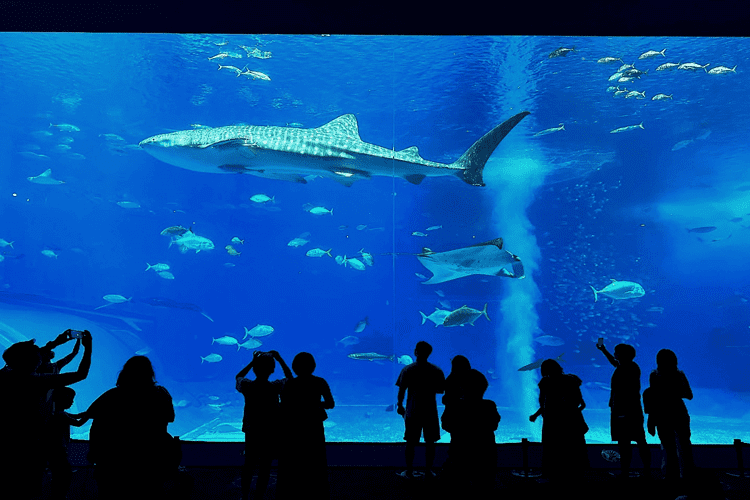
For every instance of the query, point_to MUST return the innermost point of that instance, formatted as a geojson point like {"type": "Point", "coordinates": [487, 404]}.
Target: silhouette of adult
{"type": "Point", "coordinates": [667, 414]}
{"type": "Point", "coordinates": [128, 441]}
{"type": "Point", "coordinates": [262, 413]}
{"type": "Point", "coordinates": [303, 466]}
{"type": "Point", "coordinates": [455, 390]}
{"type": "Point", "coordinates": [561, 404]}
{"type": "Point", "coordinates": [472, 422]}
{"type": "Point", "coordinates": [24, 418]}
{"type": "Point", "coordinates": [626, 413]}
{"type": "Point", "coordinates": [421, 382]}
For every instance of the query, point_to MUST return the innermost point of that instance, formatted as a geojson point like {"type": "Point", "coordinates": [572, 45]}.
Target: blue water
{"type": "Point", "coordinates": [580, 207]}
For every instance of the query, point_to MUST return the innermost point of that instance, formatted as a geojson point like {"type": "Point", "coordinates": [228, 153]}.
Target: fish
{"type": "Point", "coordinates": [65, 127]}
{"type": "Point", "coordinates": [692, 66]}
{"type": "Point", "coordinates": [262, 198]}
{"type": "Point", "coordinates": [361, 227]}
{"type": "Point", "coordinates": [318, 210]}
{"type": "Point", "coordinates": [45, 178]}
{"type": "Point", "coordinates": [113, 299]}
{"type": "Point", "coordinates": [549, 340]}
{"type": "Point", "coordinates": [4, 243]}
{"type": "Point", "coordinates": [33, 156]}
{"type": "Point", "coordinates": [417, 233]}
{"type": "Point", "coordinates": [220, 55]}
{"type": "Point", "coordinates": [608, 60]}
{"type": "Point", "coordinates": [162, 302]}
{"type": "Point", "coordinates": [211, 358]}
{"type": "Point", "coordinates": [355, 263]}
{"type": "Point", "coordinates": [704, 229]}
{"type": "Point", "coordinates": [319, 252]}
{"type": "Point", "coordinates": [258, 331]}
{"type": "Point", "coordinates": [636, 94]}
{"type": "Point", "coordinates": [620, 290]}
{"type": "Point", "coordinates": [76, 156]}
{"type": "Point", "coordinates": [625, 129]}
{"type": "Point", "coordinates": [682, 144]}
{"type": "Point", "coordinates": [367, 257]}
{"type": "Point", "coordinates": [611, 456]}
{"type": "Point", "coordinates": [562, 51]}
{"type": "Point", "coordinates": [488, 258]}
{"type": "Point", "coordinates": [537, 364]}
{"type": "Point", "coordinates": [463, 315]}
{"type": "Point", "coordinates": [255, 75]}
{"type": "Point", "coordinates": [226, 340]}
{"type": "Point", "coordinates": [550, 130]}
{"type": "Point", "coordinates": [361, 325]}
{"type": "Point", "coordinates": [166, 275]}
{"type": "Point", "coordinates": [251, 344]}
{"type": "Point", "coordinates": [370, 356]}
{"type": "Point", "coordinates": [128, 204]}
{"type": "Point", "coordinates": [231, 68]}
{"type": "Point", "coordinates": [616, 76]}
{"type": "Point", "coordinates": [347, 341]}
{"type": "Point", "coordinates": [174, 231]}
{"type": "Point", "coordinates": [334, 150]}
{"type": "Point", "coordinates": [49, 253]}
{"type": "Point", "coordinates": [300, 240]}
{"type": "Point", "coordinates": [339, 260]}
{"type": "Point", "coordinates": [229, 264]}
{"type": "Point", "coordinates": [434, 228]}
{"type": "Point", "coordinates": [438, 316]}
{"type": "Point", "coordinates": [667, 66]}
{"type": "Point", "coordinates": [191, 241]}
{"type": "Point", "coordinates": [236, 240]}
{"type": "Point", "coordinates": [62, 148]}
{"type": "Point", "coordinates": [652, 53]}
{"type": "Point", "coordinates": [405, 360]}
{"type": "Point", "coordinates": [720, 70]}
{"type": "Point", "coordinates": [231, 251]}
{"type": "Point", "coordinates": [660, 97]}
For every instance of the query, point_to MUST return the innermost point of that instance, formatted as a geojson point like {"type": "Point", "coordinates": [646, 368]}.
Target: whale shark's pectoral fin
{"type": "Point", "coordinates": [415, 178]}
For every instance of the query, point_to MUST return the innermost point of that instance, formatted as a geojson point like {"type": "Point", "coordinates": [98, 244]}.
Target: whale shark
{"type": "Point", "coordinates": [334, 150]}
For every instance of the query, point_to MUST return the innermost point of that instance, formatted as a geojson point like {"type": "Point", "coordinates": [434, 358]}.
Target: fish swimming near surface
{"type": "Point", "coordinates": [488, 258]}
{"type": "Point", "coordinates": [162, 302]}
{"type": "Point", "coordinates": [226, 340]}
{"type": "Point", "coordinates": [438, 316]}
{"type": "Point", "coordinates": [370, 356]}
{"type": "Point", "coordinates": [464, 315]}
{"type": "Point", "coordinates": [258, 331]}
{"type": "Point", "coordinates": [550, 130]}
{"type": "Point", "coordinates": [191, 241]}
{"type": "Point", "coordinates": [113, 299]}
{"type": "Point", "coordinates": [550, 340]}
{"type": "Point", "coordinates": [361, 325]}
{"type": "Point", "coordinates": [625, 129]}
{"type": "Point", "coordinates": [704, 229]}
{"type": "Point", "coordinates": [405, 360]}
{"type": "Point", "coordinates": [334, 150]}
{"type": "Point", "coordinates": [349, 340]}
{"type": "Point", "coordinates": [174, 231]}
{"type": "Point", "coordinates": [619, 290]}
{"type": "Point", "coordinates": [211, 358]}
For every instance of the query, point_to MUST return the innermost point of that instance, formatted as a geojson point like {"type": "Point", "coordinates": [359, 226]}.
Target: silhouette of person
{"type": "Point", "coordinates": [455, 390]}
{"type": "Point", "coordinates": [626, 417]}
{"type": "Point", "coordinates": [128, 441]}
{"type": "Point", "coordinates": [23, 458]}
{"type": "Point", "coordinates": [59, 464]}
{"type": "Point", "coordinates": [262, 412]}
{"type": "Point", "coordinates": [421, 382]}
{"type": "Point", "coordinates": [667, 414]}
{"type": "Point", "coordinates": [303, 467]}
{"type": "Point", "coordinates": [472, 422]}
{"type": "Point", "coordinates": [561, 404]}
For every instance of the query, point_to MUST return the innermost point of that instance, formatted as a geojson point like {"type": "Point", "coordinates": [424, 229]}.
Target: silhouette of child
{"type": "Point", "coordinates": [561, 404]}
{"type": "Point", "coordinates": [626, 418]}
{"type": "Point", "coordinates": [59, 464]}
{"type": "Point", "coordinates": [262, 413]}
{"type": "Point", "coordinates": [455, 390]}
{"type": "Point", "coordinates": [472, 422]}
{"type": "Point", "coordinates": [667, 414]}
{"type": "Point", "coordinates": [421, 381]}
{"type": "Point", "coordinates": [304, 401]}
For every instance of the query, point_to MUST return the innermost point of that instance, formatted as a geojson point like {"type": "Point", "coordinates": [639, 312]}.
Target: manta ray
{"type": "Point", "coordinates": [488, 258]}
{"type": "Point", "coordinates": [334, 150]}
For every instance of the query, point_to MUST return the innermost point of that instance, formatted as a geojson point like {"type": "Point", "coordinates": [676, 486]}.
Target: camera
{"type": "Point", "coordinates": [76, 334]}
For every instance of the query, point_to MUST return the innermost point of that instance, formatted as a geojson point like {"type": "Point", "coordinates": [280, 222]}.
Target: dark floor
{"type": "Point", "coordinates": [384, 483]}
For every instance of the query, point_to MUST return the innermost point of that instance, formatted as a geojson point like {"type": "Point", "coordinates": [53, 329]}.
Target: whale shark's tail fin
{"type": "Point", "coordinates": [473, 160]}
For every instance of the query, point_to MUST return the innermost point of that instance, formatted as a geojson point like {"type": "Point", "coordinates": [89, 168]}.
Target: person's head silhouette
{"type": "Point", "coordinates": [422, 351]}
{"type": "Point", "coordinates": [624, 352]}
{"type": "Point", "coordinates": [264, 365]}
{"type": "Point", "coordinates": [550, 367]}
{"type": "Point", "coordinates": [137, 373]}
{"type": "Point", "coordinates": [23, 357]}
{"type": "Point", "coordinates": [303, 364]}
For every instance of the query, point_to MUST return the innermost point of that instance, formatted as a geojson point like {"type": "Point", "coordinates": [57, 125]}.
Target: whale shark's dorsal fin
{"type": "Point", "coordinates": [344, 124]}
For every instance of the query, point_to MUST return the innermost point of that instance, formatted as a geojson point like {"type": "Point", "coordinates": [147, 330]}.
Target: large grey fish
{"type": "Point", "coordinates": [370, 356]}
{"type": "Point", "coordinates": [333, 150]}
{"type": "Point", "coordinates": [487, 258]}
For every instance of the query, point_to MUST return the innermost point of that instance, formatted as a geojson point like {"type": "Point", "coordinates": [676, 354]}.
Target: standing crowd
{"type": "Point", "coordinates": [135, 456]}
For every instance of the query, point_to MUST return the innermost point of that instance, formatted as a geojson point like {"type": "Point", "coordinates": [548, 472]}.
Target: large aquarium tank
{"type": "Point", "coordinates": [194, 198]}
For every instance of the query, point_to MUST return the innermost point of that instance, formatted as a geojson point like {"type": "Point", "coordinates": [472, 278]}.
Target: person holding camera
{"type": "Point", "coordinates": [25, 390]}
{"type": "Point", "coordinates": [262, 411]}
